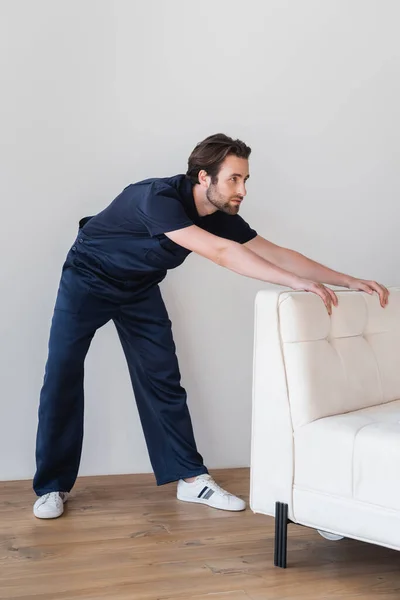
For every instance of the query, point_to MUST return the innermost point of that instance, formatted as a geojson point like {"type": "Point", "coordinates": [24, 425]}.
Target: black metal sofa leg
{"type": "Point", "coordinates": [281, 523]}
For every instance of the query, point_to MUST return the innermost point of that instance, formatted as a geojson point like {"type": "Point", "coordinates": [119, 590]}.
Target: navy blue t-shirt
{"type": "Point", "coordinates": [128, 237]}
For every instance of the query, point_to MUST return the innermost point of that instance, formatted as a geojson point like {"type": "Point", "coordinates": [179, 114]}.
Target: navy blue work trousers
{"type": "Point", "coordinates": [145, 332]}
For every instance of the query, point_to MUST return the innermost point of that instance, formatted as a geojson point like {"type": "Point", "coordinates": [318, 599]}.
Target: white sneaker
{"type": "Point", "coordinates": [204, 490]}
{"type": "Point", "coordinates": [50, 506]}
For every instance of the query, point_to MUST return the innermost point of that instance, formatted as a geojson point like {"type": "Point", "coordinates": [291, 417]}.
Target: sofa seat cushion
{"type": "Point", "coordinates": [354, 455]}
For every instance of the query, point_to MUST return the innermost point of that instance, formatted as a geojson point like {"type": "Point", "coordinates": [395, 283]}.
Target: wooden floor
{"type": "Point", "coordinates": [124, 538]}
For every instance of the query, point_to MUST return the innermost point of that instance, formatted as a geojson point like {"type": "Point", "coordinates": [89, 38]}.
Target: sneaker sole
{"type": "Point", "coordinates": [48, 516]}
{"type": "Point", "coordinates": [200, 501]}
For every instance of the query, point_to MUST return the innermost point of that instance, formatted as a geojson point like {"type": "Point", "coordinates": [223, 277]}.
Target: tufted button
{"type": "Point", "coordinates": [80, 240]}
{"type": "Point", "coordinates": [73, 248]}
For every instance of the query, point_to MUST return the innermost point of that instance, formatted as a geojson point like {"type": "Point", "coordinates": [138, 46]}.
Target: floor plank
{"type": "Point", "coordinates": [122, 537]}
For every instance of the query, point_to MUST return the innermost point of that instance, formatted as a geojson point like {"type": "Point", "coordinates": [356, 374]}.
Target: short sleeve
{"type": "Point", "coordinates": [231, 227]}
{"type": "Point", "coordinates": [241, 230]}
{"type": "Point", "coordinates": [160, 210]}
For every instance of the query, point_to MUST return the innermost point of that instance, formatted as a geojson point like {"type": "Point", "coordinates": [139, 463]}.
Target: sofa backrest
{"type": "Point", "coordinates": [341, 363]}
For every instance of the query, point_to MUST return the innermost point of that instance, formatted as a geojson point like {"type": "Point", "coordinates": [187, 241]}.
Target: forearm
{"type": "Point", "coordinates": [295, 262]}
{"type": "Point", "coordinates": [240, 259]}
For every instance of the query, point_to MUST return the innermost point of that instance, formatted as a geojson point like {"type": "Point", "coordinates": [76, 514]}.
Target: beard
{"type": "Point", "coordinates": [221, 202]}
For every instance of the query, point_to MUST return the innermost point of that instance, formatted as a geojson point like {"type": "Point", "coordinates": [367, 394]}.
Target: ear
{"type": "Point", "coordinates": [204, 179]}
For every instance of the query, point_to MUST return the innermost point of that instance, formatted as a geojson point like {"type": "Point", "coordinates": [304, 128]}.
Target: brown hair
{"type": "Point", "coordinates": [210, 154]}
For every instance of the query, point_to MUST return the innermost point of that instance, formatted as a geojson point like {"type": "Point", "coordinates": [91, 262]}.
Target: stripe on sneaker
{"type": "Point", "coordinates": [202, 491]}
{"type": "Point", "coordinates": [208, 494]}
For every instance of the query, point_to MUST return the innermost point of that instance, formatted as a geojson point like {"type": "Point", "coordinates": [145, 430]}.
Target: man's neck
{"type": "Point", "coordinates": [203, 205]}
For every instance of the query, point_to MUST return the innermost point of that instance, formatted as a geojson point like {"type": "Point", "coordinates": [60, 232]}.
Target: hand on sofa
{"type": "Point", "coordinates": [370, 287]}
{"type": "Point", "coordinates": [328, 296]}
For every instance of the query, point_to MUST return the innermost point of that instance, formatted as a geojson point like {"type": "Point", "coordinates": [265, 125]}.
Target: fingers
{"type": "Point", "coordinates": [329, 297]}
{"type": "Point", "coordinates": [333, 296]}
{"type": "Point", "coordinates": [372, 286]}
{"type": "Point", "coordinates": [326, 297]}
{"type": "Point", "coordinates": [382, 292]}
{"type": "Point", "coordinates": [387, 293]}
{"type": "Point", "coordinates": [384, 295]}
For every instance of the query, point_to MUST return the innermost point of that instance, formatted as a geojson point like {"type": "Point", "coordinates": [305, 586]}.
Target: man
{"type": "Point", "coordinates": [113, 271]}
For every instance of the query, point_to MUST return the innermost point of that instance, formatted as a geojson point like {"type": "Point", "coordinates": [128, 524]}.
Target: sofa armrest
{"type": "Point", "coordinates": [272, 460]}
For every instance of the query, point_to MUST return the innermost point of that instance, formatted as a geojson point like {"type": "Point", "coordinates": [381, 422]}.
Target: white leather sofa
{"type": "Point", "coordinates": [326, 416]}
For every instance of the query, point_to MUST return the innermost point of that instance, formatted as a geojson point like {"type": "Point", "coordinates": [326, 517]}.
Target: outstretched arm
{"type": "Point", "coordinates": [305, 267]}
{"type": "Point", "coordinates": [242, 260]}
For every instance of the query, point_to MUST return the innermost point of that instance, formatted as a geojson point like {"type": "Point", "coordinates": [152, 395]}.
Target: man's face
{"type": "Point", "coordinates": [230, 188]}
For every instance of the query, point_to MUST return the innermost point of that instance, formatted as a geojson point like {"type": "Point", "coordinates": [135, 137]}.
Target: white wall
{"type": "Point", "coordinates": [99, 93]}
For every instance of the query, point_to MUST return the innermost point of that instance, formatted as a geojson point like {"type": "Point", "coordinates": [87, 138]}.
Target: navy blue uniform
{"type": "Point", "coordinates": [113, 271]}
